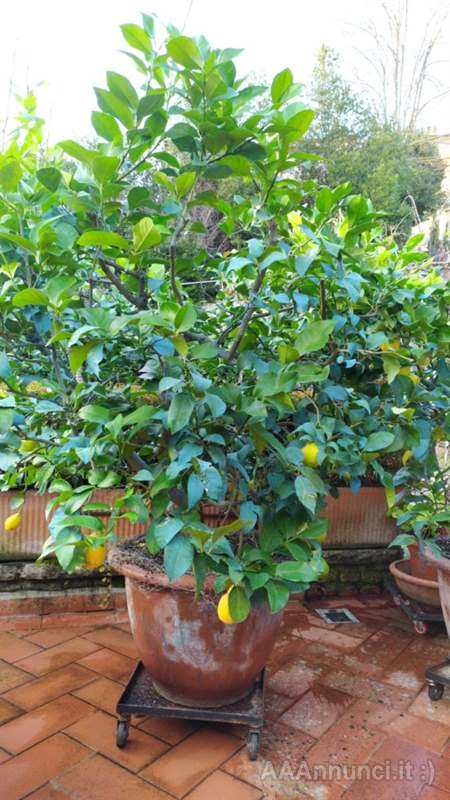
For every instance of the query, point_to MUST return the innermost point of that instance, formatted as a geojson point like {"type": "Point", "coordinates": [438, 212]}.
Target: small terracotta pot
{"type": "Point", "coordinates": [193, 658]}
{"type": "Point", "coordinates": [419, 567]}
{"type": "Point", "coordinates": [442, 565]}
{"type": "Point", "coordinates": [419, 589]}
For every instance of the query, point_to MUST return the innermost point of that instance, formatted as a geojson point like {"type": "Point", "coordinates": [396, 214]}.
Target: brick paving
{"type": "Point", "coordinates": [348, 716]}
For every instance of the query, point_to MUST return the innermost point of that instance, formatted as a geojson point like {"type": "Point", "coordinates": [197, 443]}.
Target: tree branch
{"type": "Point", "coordinates": [109, 268]}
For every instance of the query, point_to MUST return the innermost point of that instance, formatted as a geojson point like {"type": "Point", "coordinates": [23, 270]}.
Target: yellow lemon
{"type": "Point", "coordinates": [394, 345]}
{"type": "Point", "coordinates": [27, 446]}
{"type": "Point", "coordinates": [406, 457]}
{"type": "Point", "coordinates": [310, 452]}
{"type": "Point", "coordinates": [406, 371]}
{"type": "Point", "coordinates": [94, 556]}
{"type": "Point", "coordinates": [12, 522]}
{"type": "Point", "coordinates": [3, 394]}
{"type": "Point", "coordinates": [294, 219]}
{"type": "Point", "coordinates": [223, 609]}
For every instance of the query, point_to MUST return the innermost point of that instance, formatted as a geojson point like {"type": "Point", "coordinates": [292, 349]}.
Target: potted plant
{"type": "Point", "coordinates": [438, 554]}
{"type": "Point", "coordinates": [423, 511]}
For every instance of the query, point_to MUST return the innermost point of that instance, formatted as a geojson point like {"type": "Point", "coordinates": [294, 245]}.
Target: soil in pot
{"type": "Point", "coordinates": [193, 658]}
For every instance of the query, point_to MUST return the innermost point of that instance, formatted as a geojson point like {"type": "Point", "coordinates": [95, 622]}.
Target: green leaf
{"type": "Point", "coordinates": [5, 367]}
{"type": "Point", "coordinates": [20, 241]}
{"type": "Point", "coordinates": [181, 345]}
{"type": "Point", "coordinates": [216, 405]}
{"type": "Point", "coordinates": [239, 604]}
{"type": "Point", "coordinates": [204, 351]}
{"type": "Point", "coordinates": [165, 531]}
{"type": "Point", "coordinates": [178, 557]}
{"type": "Point", "coordinates": [145, 235]}
{"type": "Point", "coordinates": [82, 521]}
{"type": "Point", "coordinates": [104, 167]}
{"type": "Point", "coordinates": [184, 51]}
{"type": "Point", "coordinates": [180, 411]}
{"type": "Point", "coordinates": [96, 238]}
{"type": "Point", "coordinates": [153, 101]}
{"type": "Point", "coordinates": [141, 414]}
{"type": "Point", "coordinates": [306, 493]}
{"type": "Point", "coordinates": [379, 441]}
{"type": "Point", "coordinates": [10, 175]}
{"type": "Point", "coordinates": [77, 151]}
{"type": "Point", "coordinates": [281, 85]}
{"type": "Point", "coordinates": [195, 490]}
{"type": "Point", "coordinates": [298, 124]}
{"type": "Point", "coordinates": [6, 419]}
{"type": "Point", "coordinates": [50, 177]}
{"type": "Point", "coordinates": [311, 373]}
{"type": "Point", "coordinates": [185, 318]}
{"type": "Point", "coordinates": [94, 413]}
{"type": "Point", "coordinates": [111, 104]}
{"type": "Point", "coordinates": [137, 38]}
{"type": "Point", "coordinates": [184, 183]}
{"type": "Point", "coordinates": [30, 297]}
{"type": "Point", "coordinates": [78, 355]}
{"type": "Point", "coordinates": [106, 126]}
{"type": "Point", "coordinates": [295, 571]}
{"type": "Point", "coordinates": [287, 353]}
{"type": "Point", "coordinates": [278, 595]}
{"type": "Point", "coordinates": [314, 336]}
{"type": "Point", "coordinates": [391, 366]}
{"type": "Point", "coordinates": [122, 88]}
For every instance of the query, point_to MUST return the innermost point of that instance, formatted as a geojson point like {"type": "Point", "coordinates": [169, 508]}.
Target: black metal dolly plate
{"type": "Point", "coordinates": [418, 615]}
{"type": "Point", "coordinates": [438, 678]}
{"type": "Point", "coordinates": [140, 698]}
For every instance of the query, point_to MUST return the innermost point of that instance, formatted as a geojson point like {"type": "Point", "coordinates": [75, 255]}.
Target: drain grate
{"type": "Point", "coordinates": [336, 615]}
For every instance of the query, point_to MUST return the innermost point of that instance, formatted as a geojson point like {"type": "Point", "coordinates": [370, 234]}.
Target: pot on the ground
{"type": "Point", "coordinates": [425, 592]}
{"type": "Point", "coordinates": [442, 565]}
{"type": "Point", "coordinates": [192, 657]}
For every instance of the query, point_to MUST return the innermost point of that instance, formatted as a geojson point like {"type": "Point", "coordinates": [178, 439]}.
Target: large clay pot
{"type": "Point", "coordinates": [193, 658]}
{"type": "Point", "coordinates": [419, 567]}
{"type": "Point", "coordinates": [422, 591]}
{"type": "Point", "coordinates": [442, 565]}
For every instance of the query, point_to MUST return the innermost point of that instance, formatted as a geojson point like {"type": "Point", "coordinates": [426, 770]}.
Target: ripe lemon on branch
{"type": "Point", "coordinates": [310, 454]}
{"type": "Point", "coordinates": [223, 609]}
{"type": "Point", "coordinates": [12, 522]}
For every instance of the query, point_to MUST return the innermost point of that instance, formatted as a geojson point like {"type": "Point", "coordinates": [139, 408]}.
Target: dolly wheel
{"type": "Point", "coordinates": [420, 627]}
{"type": "Point", "coordinates": [252, 745]}
{"type": "Point", "coordinates": [397, 601]}
{"type": "Point", "coordinates": [435, 691]}
{"type": "Point", "coordinates": [122, 732]}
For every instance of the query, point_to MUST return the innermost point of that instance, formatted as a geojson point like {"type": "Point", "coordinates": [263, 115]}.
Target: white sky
{"type": "Point", "coordinates": [69, 44]}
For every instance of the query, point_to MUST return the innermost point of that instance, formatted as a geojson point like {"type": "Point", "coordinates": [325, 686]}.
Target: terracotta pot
{"type": "Point", "coordinates": [419, 567]}
{"type": "Point", "coordinates": [360, 519]}
{"type": "Point", "coordinates": [442, 565]}
{"type": "Point", "coordinates": [418, 589]}
{"type": "Point", "coordinates": [193, 658]}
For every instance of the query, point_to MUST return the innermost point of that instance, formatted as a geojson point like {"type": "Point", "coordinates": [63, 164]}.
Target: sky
{"type": "Point", "coordinates": [67, 46]}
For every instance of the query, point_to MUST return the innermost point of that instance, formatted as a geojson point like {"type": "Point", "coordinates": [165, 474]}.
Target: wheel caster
{"type": "Point", "coordinates": [252, 745]}
{"type": "Point", "coordinates": [420, 628]}
{"type": "Point", "coordinates": [435, 691]}
{"type": "Point", "coordinates": [122, 732]}
{"type": "Point", "coordinates": [397, 601]}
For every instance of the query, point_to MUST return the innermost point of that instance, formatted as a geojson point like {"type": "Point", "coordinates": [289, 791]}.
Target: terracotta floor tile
{"type": "Point", "coordinates": [221, 786]}
{"type": "Point", "coordinates": [189, 762]}
{"type": "Point", "coordinates": [36, 766]}
{"type": "Point", "coordinates": [54, 636]}
{"type": "Point", "coordinates": [382, 647]}
{"type": "Point", "coordinates": [441, 777]}
{"type": "Point", "coordinates": [11, 676]}
{"type": "Point", "coordinates": [48, 792]}
{"type": "Point", "coordinates": [98, 731]}
{"type": "Point", "coordinates": [367, 714]}
{"type": "Point", "coordinates": [431, 793]}
{"type": "Point", "coordinates": [317, 710]}
{"type": "Point", "coordinates": [344, 601]}
{"type": "Point", "coordinates": [428, 734]}
{"type": "Point", "coordinates": [425, 767]}
{"type": "Point", "coordinates": [437, 711]}
{"type": "Point", "coordinates": [58, 656]}
{"type": "Point", "coordinates": [109, 664]}
{"type": "Point", "coordinates": [408, 669]}
{"type": "Point", "coordinates": [102, 693]}
{"type": "Point", "coordinates": [294, 679]}
{"type": "Point", "coordinates": [275, 704]}
{"type": "Point", "coordinates": [368, 689]}
{"type": "Point", "coordinates": [40, 690]}
{"type": "Point", "coordinates": [12, 648]}
{"type": "Point", "coordinates": [345, 744]}
{"type": "Point", "coordinates": [7, 711]}
{"type": "Point", "coordinates": [4, 756]}
{"type": "Point", "coordinates": [115, 639]}
{"type": "Point", "coordinates": [171, 731]}
{"type": "Point", "coordinates": [100, 779]}
{"type": "Point", "coordinates": [33, 727]}
{"type": "Point", "coordinates": [330, 638]}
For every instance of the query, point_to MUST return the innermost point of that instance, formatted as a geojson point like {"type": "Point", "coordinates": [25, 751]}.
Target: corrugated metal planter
{"type": "Point", "coordinates": [360, 519]}
{"type": "Point", "coordinates": [25, 542]}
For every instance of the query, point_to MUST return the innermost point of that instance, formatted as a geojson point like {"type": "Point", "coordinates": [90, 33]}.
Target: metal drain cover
{"type": "Point", "coordinates": [336, 615]}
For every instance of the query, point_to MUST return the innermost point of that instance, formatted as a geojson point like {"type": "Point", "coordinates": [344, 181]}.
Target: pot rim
{"type": "Point", "coordinates": [153, 577]}
{"type": "Point", "coordinates": [442, 564]}
{"type": "Point", "coordinates": [397, 572]}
